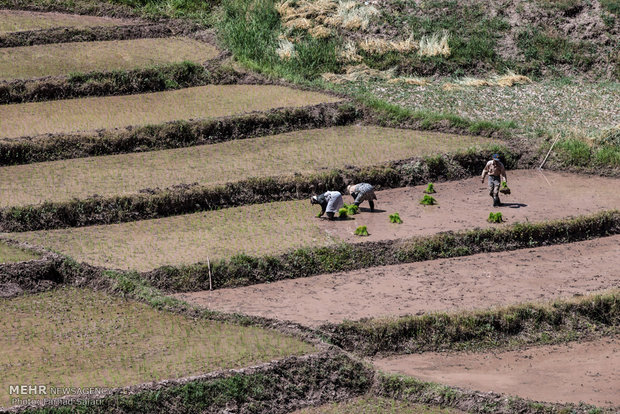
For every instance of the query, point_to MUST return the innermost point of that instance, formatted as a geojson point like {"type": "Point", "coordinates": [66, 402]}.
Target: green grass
{"type": "Point", "coordinates": [576, 152]}
{"type": "Point", "coordinates": [303, 152]}
{"type": "Point", "coordinates": [252, 37]}
{"type": "Point", "coordinates": [546, 50]}
{"type": "Point", "coordinates": [76, 337]}
{"type": "Point", "coordinates": [376, 405]}
{"type": "Point", "coordinates": [10, 254]}
{"type": "Point", "coordinates": [65, 58]}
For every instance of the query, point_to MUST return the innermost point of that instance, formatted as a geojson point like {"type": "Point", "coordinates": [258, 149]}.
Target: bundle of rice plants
{"type": "Point", "coordinates": [504, 188]}
{"type": "Point", "coordinates": [361, 231]}
{"type": "Point", "coordinates": [428, 200]}
{"type": "Point", "coordinates": [495, 217]}
{"type": "Point", "coordinates": [343, 213]}
{"type": "Point", "coordinates": [352, 209]}
{"type": "Point", "coordinates": [430, 189]}
{"type": "Point", "coordinates": [395, 218]}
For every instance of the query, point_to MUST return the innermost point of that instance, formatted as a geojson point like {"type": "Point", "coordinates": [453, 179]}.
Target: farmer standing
{"type": "Point", "coordinates": [363, 192]}
{"type": "Point", "coordinates": [497, 172]}
{"type": "Point", "coordinates": [330, 202]}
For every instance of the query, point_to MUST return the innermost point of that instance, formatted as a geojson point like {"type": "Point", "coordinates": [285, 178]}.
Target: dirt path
{"type": "Point", "coordinates": [567, 373]}
{"type": "Point", "coordinates": [472, 282]}
{"type": "Point", "coordinates": [466, 204]}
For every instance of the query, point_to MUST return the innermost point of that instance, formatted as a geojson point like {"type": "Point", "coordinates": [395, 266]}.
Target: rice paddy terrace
{"type": "Point", "coordinates": [195, 276]}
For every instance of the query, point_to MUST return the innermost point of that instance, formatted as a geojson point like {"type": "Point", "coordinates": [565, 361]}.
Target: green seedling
{"type": "Point", "coordinates": [430, 189]}
{"type": "Point", "coordinates": [428, 200]}
{"type": "Point", "coordinates": [343, 213]}
{"type": "Point", "coordinates": [395, 218]}
{"type": "Point", "coordinates": [361, 231]}
{"type": "Point", "coordinates": [504, 188]}
{"type": "Point", "coordinates": [351, 209]}
{"type": "Point", "coordinates": [495, 217]}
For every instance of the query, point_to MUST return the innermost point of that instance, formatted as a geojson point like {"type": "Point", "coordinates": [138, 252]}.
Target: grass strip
{"type": "Point", "coordinates": [278, 387]}
{"type": "Point", "coordinates": [120, 82]}
{"type": "Point", "coordinates": [245, 270]}
{"type": "Point", "coordinates": [194, 198]}
{"type": "Point", "coordinates": [386, 114]}
{"type": "Point", "coordinates": [176, 134]}
{"type": "Point", "coordinates": [420, 392]}
{"type": "Point", "coordinates": [83, 34]}
{"type": "Point", "coordinates": [370, 404]}
{"type": "Point", "coordinates": [529, 323]}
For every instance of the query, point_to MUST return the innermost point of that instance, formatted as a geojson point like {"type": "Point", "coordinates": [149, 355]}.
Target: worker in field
{"type": "Point", "coordinates": [497, 173]}
{"type": "Point", "coordinates": [330, 202]}
{"type": "Point", "coordinates": [363, 192]}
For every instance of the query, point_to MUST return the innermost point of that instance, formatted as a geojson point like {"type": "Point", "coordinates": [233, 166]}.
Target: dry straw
{"type": "Point", "coordinates": [434, 45]}
{"type": "Point", "coordinates": [286, 49]}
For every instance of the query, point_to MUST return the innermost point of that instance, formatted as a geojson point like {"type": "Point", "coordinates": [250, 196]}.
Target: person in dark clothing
{"type": "Point", "coordinates": [363, 192]}
{"type": "Point", "coordinates": [330, 202]}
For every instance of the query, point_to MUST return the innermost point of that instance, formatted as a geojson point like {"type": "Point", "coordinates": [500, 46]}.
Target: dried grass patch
{"type": "Point", "coordinates": [304, 152]}
{"type": "Point", "coordinates": [358, 73]}
{"type": "Point", "coordinates": [87, 114]}
{"type": "Point", "coordinates": [64, 58]}
{"type": "Point", "coordinates": [80, 338]}
{"type": "Point", "coordinates": [434, 45]}
{"type": "Point", "coordinates": [17, 21]}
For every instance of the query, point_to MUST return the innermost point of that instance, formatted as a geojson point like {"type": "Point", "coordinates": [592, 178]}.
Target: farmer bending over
{"type": "Point", "coordinates": [497, 172]}
{"type": "Point", "coordinates": [330, 202]}
{"type": "Point", "coordinates": [363, 192]}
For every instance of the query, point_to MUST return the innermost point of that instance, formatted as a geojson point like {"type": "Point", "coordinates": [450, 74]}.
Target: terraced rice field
{"type": "Point", "coordinates": [284, 154]}
{"type": "Point", "coordinates": [65, 58]}
{"type": "Point", "coordinates": [276, 227]}
{"type": "Point", "coordinates": [87, 114]}
{"type": "Point", "coordinates": [11, 254]}
{"type": "Point", "coordinates": [376, 405]}
{"type": "Point", "coordinates": [144, 245]}
{"type": "Point", "coordinates": [18, 21]}
{"type": "Point", "coordinates": [573, 372]}
{"type": "Point", "coordinates": [77, 337]}
{"type": "Point", "coordinates": [445, 285]}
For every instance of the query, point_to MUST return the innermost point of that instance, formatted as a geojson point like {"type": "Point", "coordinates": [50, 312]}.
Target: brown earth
{"type": "Point", "coordinates": [536, 196]}
{"type": "Point", "coordinates": [567, 373]}
{"type": "Point", "coordinates": [19, 20]}
{"type": "Point", "coordinates": [464, 283]}
{"type": "Point", "coordinates": [278, 227]}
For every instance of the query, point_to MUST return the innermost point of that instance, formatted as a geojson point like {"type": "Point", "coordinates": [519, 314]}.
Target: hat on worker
{"type": "Point", "coordinates": [496, 157]}
{"type": "Point", "coordinates": [313, 200]}
{"type": "Point", "coordinates": [350, 188]}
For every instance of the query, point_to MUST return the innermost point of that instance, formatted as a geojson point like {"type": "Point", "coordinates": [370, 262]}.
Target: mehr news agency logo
{"type": "Point", "coordinates": [53, 395]}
